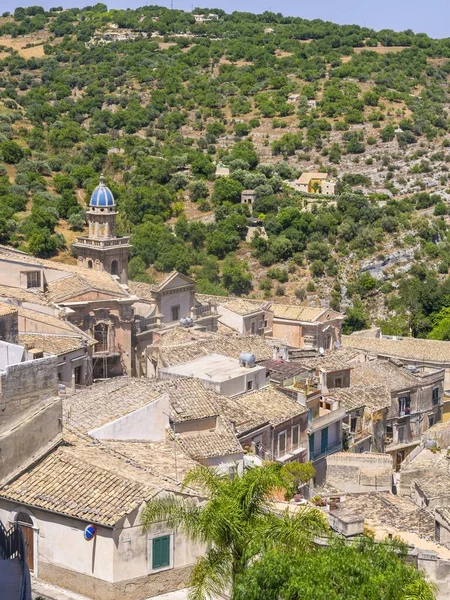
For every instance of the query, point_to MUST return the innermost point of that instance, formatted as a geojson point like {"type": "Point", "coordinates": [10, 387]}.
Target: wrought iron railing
{"type": "Point", "coordinates": [12, 546]}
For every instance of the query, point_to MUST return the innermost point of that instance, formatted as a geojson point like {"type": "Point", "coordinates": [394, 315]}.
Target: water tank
{"type": "Point", "coordinates": [186, 321]}
{"type": "Point", "coordinates": [430, 444]}
{"type": "Point", "coordinates": [247, 359]}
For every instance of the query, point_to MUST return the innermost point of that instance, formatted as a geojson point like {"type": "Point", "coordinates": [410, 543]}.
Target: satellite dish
{"type": "Point", "coordinates": [321, 350]}
{"type": "Point", "coordinates": [337, 344]}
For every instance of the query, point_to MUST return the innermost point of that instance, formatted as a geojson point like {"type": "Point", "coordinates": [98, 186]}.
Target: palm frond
{"type": "Point", "coordinates": [211, 575]}
{"type": "Point", "coordinates": [295, 530]}
{"type": "Point", "coordinates": [176, 513]}
{"type": "Point", "coordinates": [207, 479]}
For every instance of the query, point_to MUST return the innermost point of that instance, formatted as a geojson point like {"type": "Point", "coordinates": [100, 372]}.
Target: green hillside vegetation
{"type": "Point", "coordinates": [267, 96]}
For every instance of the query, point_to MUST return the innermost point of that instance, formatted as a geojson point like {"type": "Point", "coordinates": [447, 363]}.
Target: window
{"type": "Point", "coordinates": [161, 552]}
{"type": "Point", "coordinates": [250, 385]}
{"type": "Point", "coordinates": [338, 382]}
{"type": "Point", "coordinates": [430, 420]}
{"type": "Point", "coordinates": [282, 443]}
{"type": "Point", "coordinates": [353, 422]}
{"type": "Point", "coordinates": [33, 279]}
{"type": "Point", "coordinates": [90, 264]}
{"type": "Point", "coordinates": [404, 405]}
{"type": "Point", "coordinates": [295, 437]}
{"type": "Point", "coordinates": [435, 396]}
{"type": "Point", "coordinates": [175, 312]}
{"type": "Point", "coordinates": [253, 326]}
{"type": "Point", "coordinates": [401, 434]}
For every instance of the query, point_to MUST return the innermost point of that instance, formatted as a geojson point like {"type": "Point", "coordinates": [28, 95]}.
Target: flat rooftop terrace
{"type": "Point", "coordinates": [214, 367]}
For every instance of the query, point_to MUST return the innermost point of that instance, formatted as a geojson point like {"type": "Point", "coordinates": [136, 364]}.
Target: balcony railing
{"type": "Point", "coordinates": [202, 311]}
{"type": "Point", "coordinates": [12, 548]}
{"type": "Point", "coordinates": [119, 241]}
{"type": "Point", "coordinates": [330, 449]}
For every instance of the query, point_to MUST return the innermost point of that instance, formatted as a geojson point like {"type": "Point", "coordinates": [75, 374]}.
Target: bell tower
{"type": "Point", "coordinates": [102, 250]}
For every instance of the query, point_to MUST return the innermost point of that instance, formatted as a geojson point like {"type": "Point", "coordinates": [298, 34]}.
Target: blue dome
{"type": "Point", "coordinates": [102, 195]}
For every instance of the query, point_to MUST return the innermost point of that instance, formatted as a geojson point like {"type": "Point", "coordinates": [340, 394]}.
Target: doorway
{"type": "Point", "coordinates": [26, 526]}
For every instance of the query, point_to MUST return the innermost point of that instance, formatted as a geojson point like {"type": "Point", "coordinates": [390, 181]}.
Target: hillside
{"type": "Point", "coordinates": [156, 99]}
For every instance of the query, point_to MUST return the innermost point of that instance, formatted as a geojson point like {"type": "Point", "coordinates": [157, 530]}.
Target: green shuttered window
{"type": "Point", "coordinates": [161, 552]}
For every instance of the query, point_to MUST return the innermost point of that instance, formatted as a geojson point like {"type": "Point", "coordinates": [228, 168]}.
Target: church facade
{"type": "Point", "coordinates": [102, 250]}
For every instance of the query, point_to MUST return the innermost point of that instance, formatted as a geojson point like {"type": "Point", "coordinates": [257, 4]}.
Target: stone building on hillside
{"type": "Point", "coordinates": [307, 328]}
{"type": "Point", "coordinates": [102, 250]}
{"type": "Point", "coordinates": [316, 183]}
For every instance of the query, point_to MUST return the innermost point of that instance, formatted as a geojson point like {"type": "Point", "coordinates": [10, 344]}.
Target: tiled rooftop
{"type": "Point", "coordinates": [285, 369]}
{"type": "Point", "coordinates": [392, 512]}
{"type": "Point", "coordinates": [231, 346]}
{"type": "Point", "coordinates": [373, 398]}
{"type": "Point", "coordinates": [20, 295]}
{"type": "Point", "coordinates": [142, 290]}
{"type": "Point", "coordinates": [213, 444]}
{"type": "Point", "coordinates": [76, 280]}
{"type": "Point", "coordinates": [382, 372]}
{"type": "Point", "coordinates": [189, 400]}
{"type": "Point", "coordinates": [54, 344]}
{"type": "Point", "coordinates": [7, 309]}
{"type": "Point", "coordinates": [433, 486]}
{"type": "Point", "coordinates": [334, 361]}
{"type": "Point", "coordinates": [66, 482]}
{"type": "Point", "coordinates": [296, 312]}
{"type": "Point", "coordinates": [407, 348]}
{"type": "Point", "coordinates": [106, 401]}
{"type": "Point", "coordinates": [243, 418]}
{"type": "Point", "coordinates": [271, 404]}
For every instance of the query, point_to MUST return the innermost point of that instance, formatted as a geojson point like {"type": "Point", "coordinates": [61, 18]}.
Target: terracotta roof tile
{"type": "Point", "coordinates": [54, 344]}
{"type": "Point", "coordinates": [271, 404]}
{"type": "Point", "coordinates": [106, 401]}
{"type": "Point", "coordinates": [373, 398]}
{"type": "Point", "coordinates": [231, 346]}
{"type": "Point", "coordinates": [382, 372]}
{"type": "Point", "coordinates": [297, 313]}
{"type": "Point", "coordinates": [407, 348]}
{"type": "Point", "coordinates": [7, 309]}
{"type": "Point", "coordinates": [65, 482]}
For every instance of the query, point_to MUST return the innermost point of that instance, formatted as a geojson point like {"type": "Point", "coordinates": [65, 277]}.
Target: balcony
{"type": "Point", "coordinates": [330, 449]}
{"type": "Point", "coordinates": [197, 312]}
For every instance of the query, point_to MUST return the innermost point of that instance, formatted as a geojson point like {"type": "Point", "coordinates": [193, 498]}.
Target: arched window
{"type": "Point", "coordinates": [90, 264]}
{"type": "Point", "coordinates": [24, 518]}
{"type": "Point", "coordinates": [114, 267]}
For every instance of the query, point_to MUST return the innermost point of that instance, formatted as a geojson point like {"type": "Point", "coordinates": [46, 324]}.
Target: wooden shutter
{"type": "Point", "coordinates": [161, 552]}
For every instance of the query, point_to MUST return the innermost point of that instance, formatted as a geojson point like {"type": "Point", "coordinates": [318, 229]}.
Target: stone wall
{"type": "Point", "coordinates": [23, 384]}
{"type": "Point", "coordinates": [40, 426]}
{"type": "Point", "coordinates": [133, 589]}
{"type": "Point", "coordinates": [351, 472]}
{"type": "Point", "coordinates": [9, 328]}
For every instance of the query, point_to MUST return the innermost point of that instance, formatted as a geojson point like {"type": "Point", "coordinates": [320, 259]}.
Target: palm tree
{"type": "Point", "coordinates": [237, 522]}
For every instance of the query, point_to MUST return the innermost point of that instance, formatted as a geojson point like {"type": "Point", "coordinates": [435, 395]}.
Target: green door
{"type": "Point", "coordinates": [324, 440]}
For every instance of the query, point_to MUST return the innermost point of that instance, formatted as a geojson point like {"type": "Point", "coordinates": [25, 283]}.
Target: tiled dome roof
{"type": "Point", "coordinates": [102, 195]}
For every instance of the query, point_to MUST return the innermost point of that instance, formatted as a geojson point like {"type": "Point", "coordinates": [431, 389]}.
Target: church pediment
{"type": "Point", "coordinates": [173, 281]}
